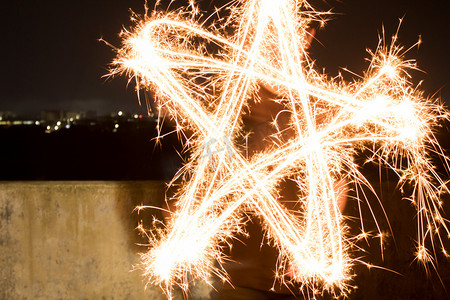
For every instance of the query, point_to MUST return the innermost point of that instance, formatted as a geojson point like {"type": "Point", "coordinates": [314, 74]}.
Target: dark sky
{"type": "Point", "coordinates": [52, 59]}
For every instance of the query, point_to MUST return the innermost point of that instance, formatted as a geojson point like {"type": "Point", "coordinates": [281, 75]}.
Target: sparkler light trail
{"type": "Point", "coordinates": [205, 77]}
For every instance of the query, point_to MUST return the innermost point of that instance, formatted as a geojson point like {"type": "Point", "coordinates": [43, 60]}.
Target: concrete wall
{"type": "Point", "coordinates": [74, 240]}
{"type": "Point", "coordinates": [77, 240]}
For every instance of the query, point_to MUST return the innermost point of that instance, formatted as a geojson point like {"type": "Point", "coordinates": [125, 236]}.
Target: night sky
{"type": "Point", "coordinates": [52, 57]}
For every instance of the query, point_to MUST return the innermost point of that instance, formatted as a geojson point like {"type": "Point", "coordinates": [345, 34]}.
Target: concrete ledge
{"type": "Point", "coordinates": [77, 240]}
{"type": "Point", "coordinates": [73, 240]}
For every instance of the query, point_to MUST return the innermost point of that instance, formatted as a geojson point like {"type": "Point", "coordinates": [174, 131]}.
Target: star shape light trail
{"type": "Point", "coordinates": [205, 77]}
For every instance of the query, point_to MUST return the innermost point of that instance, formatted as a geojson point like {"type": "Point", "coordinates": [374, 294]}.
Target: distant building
{"type": "Point", "coordinates": [73, 116]}
{"type": "Point", "coordinates": [6, 115]}
{"type": "Point", "coordinates": [51, 116]}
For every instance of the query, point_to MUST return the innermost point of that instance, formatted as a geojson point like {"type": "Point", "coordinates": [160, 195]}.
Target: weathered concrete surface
{"type": "Point", "coordinates": [77, 240]}
{"type": "Point", "coordinates": [74, 240]}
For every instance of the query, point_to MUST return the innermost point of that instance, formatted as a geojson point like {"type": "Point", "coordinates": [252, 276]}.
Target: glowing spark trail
{"type": "Point", "coordinates": [205, 76]}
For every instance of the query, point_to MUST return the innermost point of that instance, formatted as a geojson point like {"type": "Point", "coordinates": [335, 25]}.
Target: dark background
{"type": "Point", "coordinates": [52, 59]}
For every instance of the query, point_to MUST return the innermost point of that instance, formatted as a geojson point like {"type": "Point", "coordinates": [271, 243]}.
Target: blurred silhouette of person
{"type": "Point", "coordinates": [251, 260]}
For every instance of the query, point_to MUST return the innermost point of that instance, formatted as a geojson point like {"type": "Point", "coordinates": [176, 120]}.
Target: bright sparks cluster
{"type": "Point", "coordinates": [205, 75]}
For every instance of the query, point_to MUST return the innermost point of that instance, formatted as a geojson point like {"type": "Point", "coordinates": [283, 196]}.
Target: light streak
{"type": "Point", "coordinates": [206, 91]}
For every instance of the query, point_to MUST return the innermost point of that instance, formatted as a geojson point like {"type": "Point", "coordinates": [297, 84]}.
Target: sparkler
{"type": "Point", "coordinates": [204, 77]}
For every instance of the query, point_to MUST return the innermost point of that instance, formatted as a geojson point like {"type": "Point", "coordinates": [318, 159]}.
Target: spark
{"type": "Point", "coordinates": [204, 76]}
